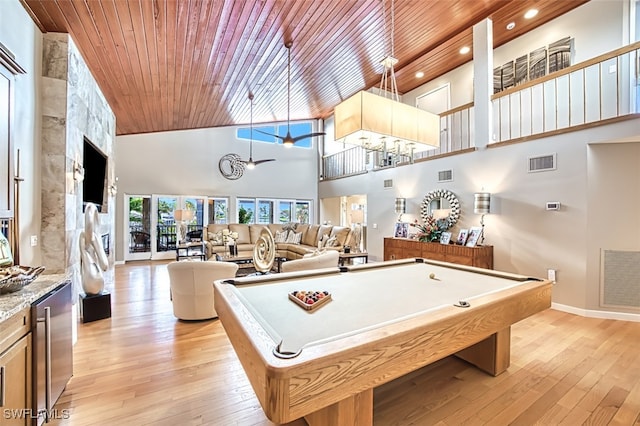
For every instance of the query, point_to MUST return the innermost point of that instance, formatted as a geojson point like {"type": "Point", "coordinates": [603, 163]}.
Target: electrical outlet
{"type": "Point", "coordinates": [34, 240]}
{"type": "Point", "coordinates": [551, 275]}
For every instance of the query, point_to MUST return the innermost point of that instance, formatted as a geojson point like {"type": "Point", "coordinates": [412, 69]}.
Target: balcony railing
{"type": "Point", "coordinates": [599, 90]}
{"type": "Point", "coordinates": [586, 94]}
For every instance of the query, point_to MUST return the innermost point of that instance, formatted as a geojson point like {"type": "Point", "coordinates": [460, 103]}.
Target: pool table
{"type": "Point", "coordinates": [384, 320]}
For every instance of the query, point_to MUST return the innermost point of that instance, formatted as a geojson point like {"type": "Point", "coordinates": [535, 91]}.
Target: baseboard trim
{"type": "Point", "coordinates": [622, 316]}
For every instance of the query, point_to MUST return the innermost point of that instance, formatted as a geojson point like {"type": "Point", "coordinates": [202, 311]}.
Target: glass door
{"type": "Point", "coordinates": [138, 227]}
{"type": "Point", "coordinates": [165, 224]}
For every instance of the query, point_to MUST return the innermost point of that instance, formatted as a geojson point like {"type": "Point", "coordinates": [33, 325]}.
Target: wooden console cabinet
{"type": "Point", "coordinates": [402, 248]}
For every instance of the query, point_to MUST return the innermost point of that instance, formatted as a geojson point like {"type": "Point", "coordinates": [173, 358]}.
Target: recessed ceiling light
{"type": "Point", "coordinates": [511, 25]}
{"type": "Point", "coordinates": [531, 13]}
{"type": "Point", "coordinates": [419, 74]}
{"type": "Point", "coordinates": [464, 50]}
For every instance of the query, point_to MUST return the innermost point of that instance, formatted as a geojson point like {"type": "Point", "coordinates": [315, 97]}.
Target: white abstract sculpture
{"type": "Point", "coordinates": [93, 259]}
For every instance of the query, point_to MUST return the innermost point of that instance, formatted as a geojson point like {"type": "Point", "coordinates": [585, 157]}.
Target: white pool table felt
{"type": "Point", "coordinates": [362, 300]}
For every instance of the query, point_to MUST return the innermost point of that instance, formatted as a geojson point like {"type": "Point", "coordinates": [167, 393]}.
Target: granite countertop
{"type": "Point", "coordinates": [12, 303]}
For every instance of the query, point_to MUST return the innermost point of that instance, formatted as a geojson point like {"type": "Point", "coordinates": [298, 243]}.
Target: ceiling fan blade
{"type": "Point", "coordinates": [270, 134]}
{"type": "Point", "coordinates": [310, 135]}
{"type": "Point", "coordinates": [263, 161]}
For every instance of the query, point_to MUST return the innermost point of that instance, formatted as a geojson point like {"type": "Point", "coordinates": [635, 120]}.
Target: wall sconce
{"type": "Point", "coordinates": [78, 172]}
{"type": "Point", "coordinates": [113, 188]}
{"type": "Point", "coordinates": [401, 207]}
{"type": "Point", "coordinates": [482, 206]}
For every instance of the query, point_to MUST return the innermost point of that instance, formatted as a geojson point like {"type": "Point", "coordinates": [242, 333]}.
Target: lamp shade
{"type": "Point", "coordinates": [369, 120]}
{"type": "Point", "coordinates": [481, 202]}
{"type": "Point", "coordinates": [401, 205]}
{"type": "Point", "coordinates": [183, 215]}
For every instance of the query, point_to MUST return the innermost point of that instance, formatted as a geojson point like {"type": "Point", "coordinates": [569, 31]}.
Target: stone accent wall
{"type": "Point", "coordinates": [73, 107]}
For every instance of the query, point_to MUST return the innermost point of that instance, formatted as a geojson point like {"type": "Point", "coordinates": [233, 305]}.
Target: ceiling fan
{"type": "Point", "coordinates": [288, 140]}
{"type": "Point", "coordinates": [250, 163]}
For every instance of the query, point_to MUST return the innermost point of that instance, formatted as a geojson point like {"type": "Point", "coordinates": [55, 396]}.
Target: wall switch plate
{"type": "Point", "coordinates": [551, 275]}
{"type": "Point", "coordinates": [34, 240]}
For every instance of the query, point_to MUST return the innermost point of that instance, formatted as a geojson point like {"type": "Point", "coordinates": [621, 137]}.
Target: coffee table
{"type": "Point", "coordinates": [246, 261]}
{"type": "Point", "coordinates": [350, 256]}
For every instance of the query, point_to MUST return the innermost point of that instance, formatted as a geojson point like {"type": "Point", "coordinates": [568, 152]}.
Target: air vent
{"type": "Point", "coordinates": [542, 163]}
{"type": "Point", "coordinates": [620, 281]}
{"type": "Point", "coordinates": [445, 176]}
{"type": "Point", "coordinates": [388, 183]}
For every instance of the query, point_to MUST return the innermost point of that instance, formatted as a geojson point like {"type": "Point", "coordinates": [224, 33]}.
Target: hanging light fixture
{"type": "Point", "coordinates": [384, 123]}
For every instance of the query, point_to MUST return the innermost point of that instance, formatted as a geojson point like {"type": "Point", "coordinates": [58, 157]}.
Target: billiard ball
{"type": "Point", "coordinates": [432, 275]}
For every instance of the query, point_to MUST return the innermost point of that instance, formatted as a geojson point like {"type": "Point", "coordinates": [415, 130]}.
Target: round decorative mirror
{"type": "Point", "coordinates": [441, 204]}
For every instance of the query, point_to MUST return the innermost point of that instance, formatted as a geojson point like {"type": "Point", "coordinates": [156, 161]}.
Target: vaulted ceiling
{"type": "Point", "coordinates": [183, 64]}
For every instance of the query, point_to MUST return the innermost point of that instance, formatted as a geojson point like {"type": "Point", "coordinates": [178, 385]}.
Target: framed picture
{"type": "Point", "coordinates": [401, 230]}
{"type": "Point", "coordinates": [474, 235]}
{"type": "Point", "coordinates": [462, 237]}
{"type": "Point", "coordinates": [445, 237]}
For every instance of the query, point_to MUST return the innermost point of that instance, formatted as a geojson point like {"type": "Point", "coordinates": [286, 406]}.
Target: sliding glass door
{"type": "Point", "coordinates": [138, 227]}
{"type": "Point", "coordinates": [151, 226]}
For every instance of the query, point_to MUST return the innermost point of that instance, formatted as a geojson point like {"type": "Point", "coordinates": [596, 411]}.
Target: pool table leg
{"type": "Point", "coordinates": [492, 354]}
{"type": "Point", "coordinates": [356, 410]}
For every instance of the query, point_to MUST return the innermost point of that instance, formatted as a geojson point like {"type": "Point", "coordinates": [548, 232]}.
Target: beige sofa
{"type": "Point", "coordinates": [300, 239]}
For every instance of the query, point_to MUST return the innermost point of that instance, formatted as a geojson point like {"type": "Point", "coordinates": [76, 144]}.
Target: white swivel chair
{"type": "Point", "coordinates": [328, 259]}
{"type": "Point", "coordinates": [192, 287]}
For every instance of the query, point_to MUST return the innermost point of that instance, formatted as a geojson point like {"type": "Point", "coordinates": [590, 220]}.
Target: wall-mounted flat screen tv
{"type": "Point", "coordinates": [95, 175]}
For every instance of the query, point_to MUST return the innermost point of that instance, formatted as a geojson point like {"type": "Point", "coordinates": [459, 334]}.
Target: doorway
{"type": "Point", "coordinates": [150, 226]}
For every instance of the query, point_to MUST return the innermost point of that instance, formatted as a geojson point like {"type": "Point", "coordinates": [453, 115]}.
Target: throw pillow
{"type": "Point", "coordinates": [331, 242]}
{"type": "Point", "coordinates": [323, 240]}
{"type": "Point", "coordinates": [281, 236]}
{"type": "Point", "coordinates": [294, 237]}
{"type": "Point", "coordinates": [215, 238]}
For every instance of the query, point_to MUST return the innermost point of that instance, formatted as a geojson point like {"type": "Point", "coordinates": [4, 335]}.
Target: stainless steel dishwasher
{"type": "Point", "coordinates": [51, 325]}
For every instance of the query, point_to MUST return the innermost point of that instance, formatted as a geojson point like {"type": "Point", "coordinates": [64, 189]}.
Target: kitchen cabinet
{"type": "Point", "coordinates": [16, 371]}
{"type": "Point", "coordinates": [403, 248]}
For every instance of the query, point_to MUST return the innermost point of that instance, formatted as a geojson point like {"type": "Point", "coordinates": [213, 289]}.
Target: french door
{"type": "Point", "coordinates": [150, 226]}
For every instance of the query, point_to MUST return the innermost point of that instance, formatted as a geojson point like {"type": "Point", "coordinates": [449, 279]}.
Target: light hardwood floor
{"type": "Point", "coordinates": [144, 367]}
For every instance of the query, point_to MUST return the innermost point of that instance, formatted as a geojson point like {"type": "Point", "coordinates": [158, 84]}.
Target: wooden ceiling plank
{"type": "Point", "coordinates": [130, 95]}
{"type": "Point", "coordinates": [148, 13]}
{"type": "Point", "coordinates": [232, 35]}
{"type": "Point", "coordinates": [77, 16]}
{"type": "Point", "coordinates": [209, 33]}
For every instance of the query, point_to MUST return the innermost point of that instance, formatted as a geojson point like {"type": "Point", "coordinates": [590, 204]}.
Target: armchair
{"type": "Point", "coordinates": [192, 287]}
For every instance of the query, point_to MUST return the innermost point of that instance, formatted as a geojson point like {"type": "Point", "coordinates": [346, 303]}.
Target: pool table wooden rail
{"type": "Point", "coordinates": [332, 382]}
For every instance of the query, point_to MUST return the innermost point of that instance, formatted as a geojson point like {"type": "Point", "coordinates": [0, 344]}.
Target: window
{"type": "Point", "coordinates": [265, 211]}
{"type": "Point", "coordinates": [303, 209]}
{"type": "Point", "coordinates": [218, 210]}
{"type": "Point", "coordinates": [246, 210]}
{"type": "Point", "coordinates": [259, 133]}
{"type": "Point", "coordinates": [285, 210]}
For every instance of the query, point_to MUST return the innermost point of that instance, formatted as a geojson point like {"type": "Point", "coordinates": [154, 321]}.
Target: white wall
{"type": "Point", "coordinates": [186, 163]}
{"type": "Point", "coordinates": [613, 222]}
{"type": "Point", "coordinates": [22, 37]}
